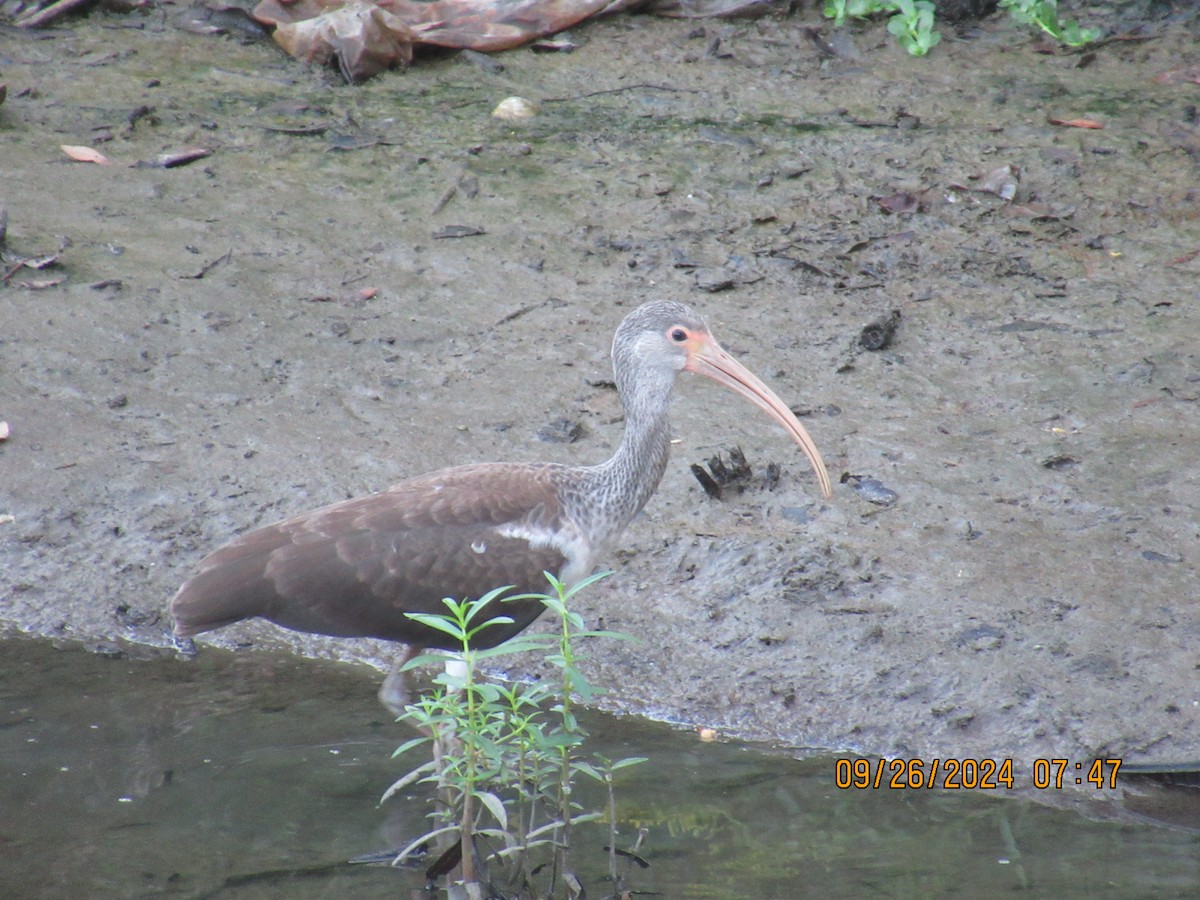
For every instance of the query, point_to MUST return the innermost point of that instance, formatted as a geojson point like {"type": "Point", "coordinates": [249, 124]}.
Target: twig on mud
{"type": "Point", "coordinates": [209, 266]}
{"type": "Point", "coordinates": [9, 273]}
{"type": "Point", "coordinates": [32, 262]}
{"type": "Point", "coordinates": [1186, 258]}
{"type": "Point", "coordinates": [628, 87]}
{"type": "Point", "coordinates": [1128, 37]}
{"type": "Point", "coordinates": [50, 13]}
{"type": "Point", "coordinates": [448, 193]}
{"type": "Point", "coordinates": [517, 313]}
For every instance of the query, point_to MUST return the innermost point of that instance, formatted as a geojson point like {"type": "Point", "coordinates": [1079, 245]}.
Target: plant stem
{"type": "Point", "coordinates": [612, 833]}
{"type": "Point", "coordinates": [468, 844]}
{"type": "Point", "coordinates": [471, 759]}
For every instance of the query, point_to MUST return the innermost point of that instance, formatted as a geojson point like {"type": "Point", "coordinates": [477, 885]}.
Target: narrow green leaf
{"type": "Point", "coordinates": [586, 769]}
{"type": "Point", "coordinates": [427, 838]}
{"type": "Point", "coordinates": [628, 761]}
{"type": "Point", "coordinates": [609, 635]}
{"type": "Point", "coordinates": [411, 778]}
{"type": "Point", "coordinates": [408, 745]}
{"type": "Point", "coordinates": [515, 645]}
{"type": "Point", "coordinates": [494, 806]}
{"type": "Point", "coordinates": [441, 623]}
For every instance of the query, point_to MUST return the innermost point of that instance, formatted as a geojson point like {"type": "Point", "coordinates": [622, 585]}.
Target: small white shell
{"type": "Point", "coordinates": [514, 109]}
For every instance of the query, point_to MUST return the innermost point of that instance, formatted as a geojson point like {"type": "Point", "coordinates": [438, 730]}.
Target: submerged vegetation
{"type": "Point", "coordinates": [505, 757]}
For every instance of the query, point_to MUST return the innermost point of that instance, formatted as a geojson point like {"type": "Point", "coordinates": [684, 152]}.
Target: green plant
{"type": "Point", "coordinates": [913, 26]}
{"type": "Point", "coordinates": [840, 10]}
{"type": "Point", "coordinates": [912, 20]}
{"type": "Point", "coordinates": [506, 756]}
{"type": "Point", "coordinates": [1044, 14]}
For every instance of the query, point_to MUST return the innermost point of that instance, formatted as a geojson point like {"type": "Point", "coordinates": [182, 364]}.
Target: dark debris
{"type": "Point", "coordinates": [877, 335]}
{"type": "Point", "coordinates": [737, 476]}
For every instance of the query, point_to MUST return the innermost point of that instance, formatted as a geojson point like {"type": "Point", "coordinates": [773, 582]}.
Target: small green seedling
{"type": "Point", "coordinates": [913, 26]}
{"type": "Point", "coordinates": [911, 22]}
{"type": "Point", "coordinates": [1044, 14]}
{"type": "Point", "coordinates": [840, 10]}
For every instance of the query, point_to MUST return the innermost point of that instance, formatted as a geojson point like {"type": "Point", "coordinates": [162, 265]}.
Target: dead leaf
{"type": "Point", "coordinates": [1002, 182]}
{"type": "Point", "coordinates": [40, 284]}
{"type": "Point", "coordinates": [900, 202]}
{"type": "Point", "coordinates": [173, 158]}
{"type": "Point", "coordinates": [362, 38]}
{"type": "Point", "coordinates": [458, 231]}
{"type": "Point", "coordinates": [368, 293]}
{"type": "Point", "coordinates": [483, 25]}
{"type": "Point", "coordinates": [1074, 123]}
{"type": "Point", "coordinates": [1189, 74]}
{"type": "Point", "coordinates": [554, 45]}
{"type": "Point", "coordinates": [84, 154]}
{"type": "Point", "coordinates": [1039, 211]}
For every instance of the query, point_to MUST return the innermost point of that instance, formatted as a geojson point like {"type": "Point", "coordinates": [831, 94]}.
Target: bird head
{"type": "Point", "coordinates": [670, 337]}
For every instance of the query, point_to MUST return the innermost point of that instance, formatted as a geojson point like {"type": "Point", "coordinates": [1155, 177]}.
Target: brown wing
{"type": "Point", "coordinates": [355, 568]}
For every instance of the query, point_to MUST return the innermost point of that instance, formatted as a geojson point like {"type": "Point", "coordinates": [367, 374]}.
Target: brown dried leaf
{"type": "Point", "coordinates": [40, 284]}
{"type": "Point", "coordinates": [364, 39]}
{"type": "Point", "coordinates": [1188, 74]}
{"type": "Point", "coordinates": [900, 202]}
{"type": "Point", "coordinates": [181, 157]}
{"type": "Point", "coordinates": [484, 25]}
{"type": "Point", "coordinates": [1074, 123]}
{"type": "Point", "coordinates": [84, 154]}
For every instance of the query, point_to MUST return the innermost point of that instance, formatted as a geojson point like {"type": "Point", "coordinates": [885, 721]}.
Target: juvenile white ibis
{"type": "Point", "coordinates": [355, 568]}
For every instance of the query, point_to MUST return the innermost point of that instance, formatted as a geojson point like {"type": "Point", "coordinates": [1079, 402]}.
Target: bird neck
{"type": "Point", "coordinates": [620, 487]}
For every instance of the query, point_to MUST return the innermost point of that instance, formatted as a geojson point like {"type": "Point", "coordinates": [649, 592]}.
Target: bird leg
{"type": "Point", "coordinates": [393, 693]}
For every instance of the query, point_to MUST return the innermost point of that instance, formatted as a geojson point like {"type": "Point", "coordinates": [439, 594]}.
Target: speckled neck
{"type": "Point", "coordinates": [617, 490]}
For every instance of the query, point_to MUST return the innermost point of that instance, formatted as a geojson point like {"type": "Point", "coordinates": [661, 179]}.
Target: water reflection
{"type": "Point", "coordinates": [258, 776]}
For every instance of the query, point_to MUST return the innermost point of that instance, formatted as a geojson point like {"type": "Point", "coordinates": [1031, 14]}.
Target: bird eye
{"type": "Point", "coordinates": [679, 335]}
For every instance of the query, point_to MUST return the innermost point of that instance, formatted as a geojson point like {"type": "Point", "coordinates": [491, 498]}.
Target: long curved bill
{"type": "Point", "coordinates": [707, 357]}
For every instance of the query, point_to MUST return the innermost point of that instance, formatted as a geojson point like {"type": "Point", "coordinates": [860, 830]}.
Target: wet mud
{"type": "Point", "coordinates": [359, 284]}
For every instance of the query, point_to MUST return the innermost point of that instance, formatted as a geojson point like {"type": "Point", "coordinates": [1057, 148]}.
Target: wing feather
{"type": "Point", "coordinates": [355, 568]}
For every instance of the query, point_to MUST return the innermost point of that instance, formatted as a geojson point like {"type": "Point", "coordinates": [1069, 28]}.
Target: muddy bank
{"type": "Point", "coordinates": [283, 324]}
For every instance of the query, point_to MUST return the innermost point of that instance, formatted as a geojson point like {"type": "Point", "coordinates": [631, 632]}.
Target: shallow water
{"type": "Point", "coordinates": [256, 775]}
